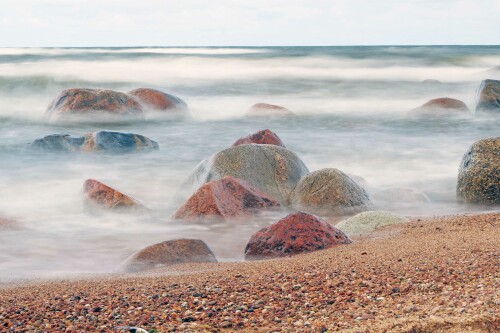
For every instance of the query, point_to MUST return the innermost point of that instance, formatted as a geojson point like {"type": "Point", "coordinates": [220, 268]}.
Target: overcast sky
{"type": "Point", "coordinates": [247, 22]}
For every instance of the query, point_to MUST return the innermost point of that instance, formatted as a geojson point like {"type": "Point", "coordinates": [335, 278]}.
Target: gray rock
{"type": "Point", "coordinates": [479, 173]}
{"type": "Point", "coordinates": [329, 192]}
{"type": "Point", "coordinates": [368, 221]}
{"type": "Point", "coordinates": [488, 96]}
{"type": "Point", "coordinates": [271, 169]}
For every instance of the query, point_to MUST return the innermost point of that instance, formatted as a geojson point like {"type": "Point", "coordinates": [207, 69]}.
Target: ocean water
{"type": "Point", "coordinates": [353, 113]}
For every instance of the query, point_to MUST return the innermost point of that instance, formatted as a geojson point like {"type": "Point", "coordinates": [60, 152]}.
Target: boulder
{"type": "Point", "coordinates": [366, 222]}
{"type": "Point", "coordinates": [156, 100]}
{"type": "Point", "coordinates": [431, 81]}
{"type": "Point", "coordinates": [264, 109]}
{"type": "Point", "coordinates": [294, 234]}
{"type": "Point", "coordinates": [439, 105]}
{"type": "Point", "coordinates": [400, 195]}
{"type": "Point", "coordinates": [100, 195]}
{"type": "Point", "coordinates": [92, 102]}
{"type": "Point", "coordinates": [329, 192]}
{"type": "Point", "coordinates": [479, 173]}
{"type": "Point", "coordinates": [488, 96]}
{"type": "Point", "coordinates": [224, 198]}
{"type": "Point", "coordinates": [266, 137]}
{"type": "Point", "coordinates": [102, 141]}
{"type": "Point", "coordinates": [169, 253]}
{"type": "Point", "coordinates": [271, 169]}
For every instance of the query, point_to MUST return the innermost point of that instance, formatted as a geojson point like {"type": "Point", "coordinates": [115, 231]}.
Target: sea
{"type": "Point", "coordinates": [353, 108]}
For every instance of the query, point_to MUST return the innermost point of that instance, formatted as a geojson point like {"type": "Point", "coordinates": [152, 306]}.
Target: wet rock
{"type": "Point", "coordinates": [264, 109]}
{"type": "Point", "coordinates": [400, 195]}
{"type": "Point", "coordinates": [266, 136]}
{"type": "Point", "coordinates": [488, 96]}
{"type": "Point", "coordinates": [168, 253]}
{"type": "Point", "coordinates": [440, 105]}
{"type": "Point", "coordinates": [102, 141]}
{"type": "Point", "coordinates": [158, 101]}
{"type": "Point", "coordinates": [294, 234]}
{"type": "Point", "coordinates": [8, 223]}
{"type": "Point", "coordinates": [100, 195]}
{"type": "Point", "coordinates": [479, 173]}
{"type": "Point", "coordinates": [226, 197]}
{"type": "Point", "coordinates": [271, 169]}
{"type": "Point", "coordinates": [329, 192]}
{"type": "Point", "coordinates": [93, 102]}
{"type": "Point", "coordinates": [366, 222]}
{"type": "Point", "coordinates": [431, 81]}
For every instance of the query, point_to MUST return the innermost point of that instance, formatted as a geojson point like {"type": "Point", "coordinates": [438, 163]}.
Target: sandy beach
{"type": "Point", "coordinates": [430, 275]}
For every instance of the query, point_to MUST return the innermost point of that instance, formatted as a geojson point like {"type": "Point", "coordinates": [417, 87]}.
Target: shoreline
{"type": "Point", "coordinates": [436, 274]}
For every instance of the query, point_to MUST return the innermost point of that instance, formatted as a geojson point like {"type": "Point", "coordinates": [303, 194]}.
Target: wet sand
{"type": "Point", "coordinates": [436, 274]}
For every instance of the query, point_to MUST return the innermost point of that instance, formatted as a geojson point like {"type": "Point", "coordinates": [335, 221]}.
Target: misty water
{"type": "Point", "coordinates": [353, 113]}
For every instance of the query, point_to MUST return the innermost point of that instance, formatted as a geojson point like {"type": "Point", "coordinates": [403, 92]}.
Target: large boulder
{"type": "Point", "coordinates": [271, 169]}
{"type": "Point", "coordinates": [440, 105]}
{"type": "Point", "coordinates": [366, 222]}
{"type": "Point", "coordinates": [224, 198]}
{"type": "Point", "coordinates": [479, 173]}
{"type": "Point", "coordinates": [488, 96]}
{"type": "Point", "coordinates": [266, 137]}
{"type": "Point", "coordinates": [264, 109]}
{"type": "Point", "coordinates": [297, 233]}
{"type": "Point", "coordinates": [169, 253]}
{"type": "Point", "coordinates": [102, 141]}
{"type": "Point", "coordinates": [100, 195]}
{"type": "Point", "coordinates": [156, 100]}
{"type": "Point", "coordinates": [329, 192]}
{"type": "Point", "coordinates": [92, 102]}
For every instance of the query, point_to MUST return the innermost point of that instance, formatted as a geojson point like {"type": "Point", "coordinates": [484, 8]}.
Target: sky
{"type": "Point", "coordinates": [59, 23]}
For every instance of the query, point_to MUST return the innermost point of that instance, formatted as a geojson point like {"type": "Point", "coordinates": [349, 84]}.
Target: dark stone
{"type": "Point", "coordinates": [488, 96]}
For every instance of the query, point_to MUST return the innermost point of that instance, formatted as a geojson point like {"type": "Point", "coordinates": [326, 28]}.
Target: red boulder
{"type": "Point", "coordinates": [225, 198]}
{"type": "Point", "coordinates": [266, 137]}
{"type": "Point", "coordinates": [443, 104]}
{"type": "Point", "coordinates": [294, 234]}
{"type": "Point", "coordinates": [157, 100]}
{"type": "Point", "coordinates": [103, 196]}
{"type": "Point", "coordinates": [264, 109]}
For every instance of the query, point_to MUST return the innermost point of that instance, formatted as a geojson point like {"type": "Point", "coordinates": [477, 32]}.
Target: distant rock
{"type": "Point", "coordinates": [439, 105]}
{"type": "Point", "coordinates": [266, 136]}
{"type": "Point", "coordinates": [329, 192]}
{"type": "Point", "coordinates": [271, 169]}
{"type": "Point", "coordinates": [479, 173]}
{"type": "Point", "coordinates": [93, 102]}
{"type": "Point", "coordinates": [366, 222]}
{"type": "Point", "coordinates": [264, 109]}
{"type": "Point", "coordinates": [431, 81]}
{"type": "Point", "coordinates": [224, 198]}
{"type": "Point", "coordinates": [100, 195]}
{"type": "Point", "coordinates": [488, 96]}
{"type": "Point", "coordinates": [179, 251]}
{"type": "Point", "coordinates": [400, 195]}
{"type": "Point", "coordinates": [102, 141]}
{"type": "Point", "coordinates": [296, 233]}
{"type": "Point", "coordinates": [8, 223]}
{"type": "Point", "coordinates": [156, 100]}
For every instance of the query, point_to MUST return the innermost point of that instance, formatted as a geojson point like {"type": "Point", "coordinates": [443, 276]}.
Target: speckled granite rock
{"type": "Point", "coordinates": [488, 96]}
{"type": "Point", "coordinates": [368, 221]}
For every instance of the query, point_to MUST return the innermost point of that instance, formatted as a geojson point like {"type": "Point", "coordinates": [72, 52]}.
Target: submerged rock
{"type": "Point", "coordinates": [271, 169]}
{"type": "Point", "coordinates": [479, 173]}
{"type": "Point", "coordinates": [7, 223]}
{"type": "Point", "coordinates": [266, 136]}
{"type": "Point", "coordinates": [225, 198]}
{"type": "Point", "coordinates": [92, 102]}
{"type": "Point", "coordinates": [401, 195]}
{"type": "Point", "coordinates": [440, 105]}
{"type": "Point", "coordinates": [488, 96]}
{"type": "Point", "coordinates": [296, 233]}
{"type": "Point", "coordinates": [329, 192]}
{"type": "Point", "coordinates": [366, 222]}
{"type": "Point", "coordinates": [168, 253]}
{"type": "Point", "coordinates": [431, 81]}
{"type": "Point", "coordinates": [264, 109]}
{"type": "Point", "coordinates": [100, 195]}
{"type": "Point", "coordinates": [158, 101]}
{"type": "Point", "coordinates": [102, 141]}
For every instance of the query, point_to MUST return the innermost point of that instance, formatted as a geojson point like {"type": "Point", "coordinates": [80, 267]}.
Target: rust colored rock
{"type": "Point", "coordinates": [93, 102]}
{"type": "Point", "coordinates": [168, 253]}
{"type": "Point", "coordinates": [264, 109]}
{"type": "Point", "coordinates": [225, 198]}
{"type": "Point", "coordinates": [6, 223]}
{"type": "Point", "coordinates": [294, 234]}
{"type": "Point", "coordinates": [443, 104]}
{"type": "Point", "coordinates": [103, 196]}
{"type": "Point", "coordinates": [266, 137]}
{"type": "Point", "coordinates": [157, 100]}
